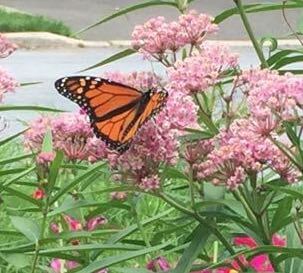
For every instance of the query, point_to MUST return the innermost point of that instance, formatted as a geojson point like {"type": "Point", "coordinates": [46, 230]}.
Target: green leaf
{"type": "Point", "coordinates": [112, 260]}
{"type": "Point", "coordinates": [27, 227]}
{"type": "Point", "coordinates": [252, 8]}
{"type": "Point", "coordinates": [47, 144]}
{"type": "Point", "coordinates": [54, 170]}
{"type": "Point", "coordinates": [281, 213]}
{"type": "Point", "coordinates": [89, 247]}
{"type": "Point", "coordinates": [287, 60]}
{"type": "Point", "coordinates": [128, 9]}
{"type": "Point", "coordinates": [293, 265]}
{"type": "Point", "coordinates": [4, 141]}
{"type": "Point", "coordinates": [75, 204]}
{"type": "Point", "coordinates": [279, 55]}
{"type": "Point", "coordinates": [28, 108]}
{"type": "Point", "coordinates": [199, 239]}
{"type": "Point", "coordinates": [122, 54]}
{"type": "Point", "coordinates": [22, 196]}
{"type": "Point", "coordinates": [14, 159]}
{"type": "Point", "coordinates": [16, 178]}
{"type": "Point", "coordinates": [29, 83]}
{"type": "Point", "coordinates": [18, 260]}
{"type": "Point", "coordinates": [80, 178]}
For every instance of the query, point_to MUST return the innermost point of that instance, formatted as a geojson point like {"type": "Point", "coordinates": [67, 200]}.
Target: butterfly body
{"type": "Point", "coordinates": [116, 111]}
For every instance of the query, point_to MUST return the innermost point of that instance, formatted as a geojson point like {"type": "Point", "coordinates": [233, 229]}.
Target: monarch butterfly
{"type": "Point", "coordinates": [116, 111]}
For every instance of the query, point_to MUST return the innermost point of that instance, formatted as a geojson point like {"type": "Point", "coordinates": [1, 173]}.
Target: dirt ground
{"type": "Point", "coordinates": [79, 13]}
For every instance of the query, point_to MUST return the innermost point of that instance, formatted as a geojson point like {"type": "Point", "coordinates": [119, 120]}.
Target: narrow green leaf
{"type": "Point", "coordinates": [29, 83]}
{"type": "Point", "coordinates": [18, 260]}
{"type": "Point", "coordinates": [128, 9]}
{"type": "Point", "coordinates": [130, 270]}
{"type": "Point", "coordinates": [199, 238]}
{"type": "Point", "coordinates": [112, 260]}
{"type": "Point", "coordinates": [47, 144]}
{"type": "Point", "coordinates": [14, 159]}
{"type": "Point", "coordinates": [122, 54]}
{"type": "Point", "coordinates": [77, 180]}
{"type": "Point", "coordinates": [54, 170]}
{"type": "Point", "coordinates": [252, 8]}
{"type": "Point", "coordinates": [281, 213]}
{"type": "Point", "coordinates": [16, 178]}
{"type": "Point", "coordinates": [27, 227]}
{"type": "Point", "coordinates": [287, 60]}
{"type": "Point", "coordinates": [4, 141]}
{"type": "Point", "coordinates": [22, 196]}
{"type": "Point", "coordinates": [28, 108]}
{"type": "Point", "coordinates": [281, 54]}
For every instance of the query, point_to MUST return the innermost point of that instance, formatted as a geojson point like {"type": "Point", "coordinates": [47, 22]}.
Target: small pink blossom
{"type": "Point", "coordinates": [150, 183]}
{"type": "Point", "coordinates": [56, 265]}
{"type": "Point", "coordinates": [7, 83]}
{"type": "Point", "coordinates": [6, 47]}
{"type": "Point", "coordinates": [54, 228]}
{"type": "Point", "coordinates": [73, 224]}
{"type": "Point", "coordinates": [278, 240]}
{"type": "Point", "coordinates": [95, 222]}
{"type": "Point", "coordinates": [121, 196]}
{"type": "Point", "coordinates": [45, 158]}
{"type": "Point", "coordinates": [159, 263]}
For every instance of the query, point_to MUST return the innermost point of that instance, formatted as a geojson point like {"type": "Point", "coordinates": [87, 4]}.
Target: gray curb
{"type": "Point", "coordinates": [46, 40]}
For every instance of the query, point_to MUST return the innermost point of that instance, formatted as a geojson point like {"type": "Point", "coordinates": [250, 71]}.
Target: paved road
{"type": "Point", "coordinates": [49, 65]}
{"type": "Point", "coordinates": [79, 13]}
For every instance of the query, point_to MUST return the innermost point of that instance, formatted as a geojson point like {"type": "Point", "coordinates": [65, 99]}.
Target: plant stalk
{"type": "Point", "coordinates": [251, 34]}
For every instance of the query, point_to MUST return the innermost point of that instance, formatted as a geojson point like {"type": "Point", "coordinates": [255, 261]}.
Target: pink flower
{"type": "Point", "coordinates": [6, 47]}
{"type": "Point", "coordinates": [71, 133]}
{"type": "Point", "coordinates": [95, 222]}
{"type": "Point", "coordinates": [245, 241]}
{"type": "Point", "coordinates": [195, 27]}
{"type": "Point", "coordinates": [157, 37]}
{"type": "Point", "coordinates": [54, 228]}
{"type": "Point", "coordinates": [261, 263]}
{"type": "Point", "coordinates": [199, 72]}
{"type": "Point", "coordinates": [56, 265]}
{"type": "Point", "coordinates": [159, 263]}
{"type": "Point", "coordinates": [240, 151]}
{"type": "Point", "coordinates": [197, 151]}
{"type": "Point", "coordinates": [39, 194]}
{"type": "Point", "coordinates": [121, 196]}
{"type": "Point", "coordinates": [71, 265]}
{"type": "Point", "coordinates": [278, 240]}
{"type": "Point", "coordinates": [7, 83]}
{"type": "Point", "coordinates": [150, 183]}
{"type": "Point", "coordinates": [45, 158]}
{"type": "Point", "coordinates": [73, 224]}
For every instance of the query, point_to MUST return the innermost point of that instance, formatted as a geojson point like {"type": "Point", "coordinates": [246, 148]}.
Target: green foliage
{"type": "Point", "coordinates": [11, 21]}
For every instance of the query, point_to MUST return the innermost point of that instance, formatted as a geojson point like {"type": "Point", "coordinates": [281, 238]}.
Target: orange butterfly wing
{"type": "Point", "coordinates": [116, 111]}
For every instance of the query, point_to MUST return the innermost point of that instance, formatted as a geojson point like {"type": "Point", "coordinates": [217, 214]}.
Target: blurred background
{"type": "Point", "coordinates": [77, 14]}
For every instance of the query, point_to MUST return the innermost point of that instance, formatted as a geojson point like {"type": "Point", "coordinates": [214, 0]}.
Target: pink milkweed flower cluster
{"type": "Point", "coordinates": [239, 152]}
{"type": "Point", "coordinates": [156, 36]}
{"type": "Point", "coordinates": [203, 69]}
{"type": "Point", "coordinates": [71, 133]}
{"type": "Point", "coordinates": [6, 47]}
{"type": "Point", "coordinates": [156, 142]}
{"type": "Point", "coordinates": [272, 97]}
{"type": "Point", "coordinates": [7, 82]}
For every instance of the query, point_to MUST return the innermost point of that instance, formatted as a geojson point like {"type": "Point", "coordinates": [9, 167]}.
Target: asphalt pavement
{"type": "Point", "coordinates": [80, 13]}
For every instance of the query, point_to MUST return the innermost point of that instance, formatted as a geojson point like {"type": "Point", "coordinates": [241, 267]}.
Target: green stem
{"type": "Point", "coordinates": [37, 248]}
{"type": "Point", "coordinates": [250, 33]}
{"type": "Point", "coordinates": [206, 118]}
